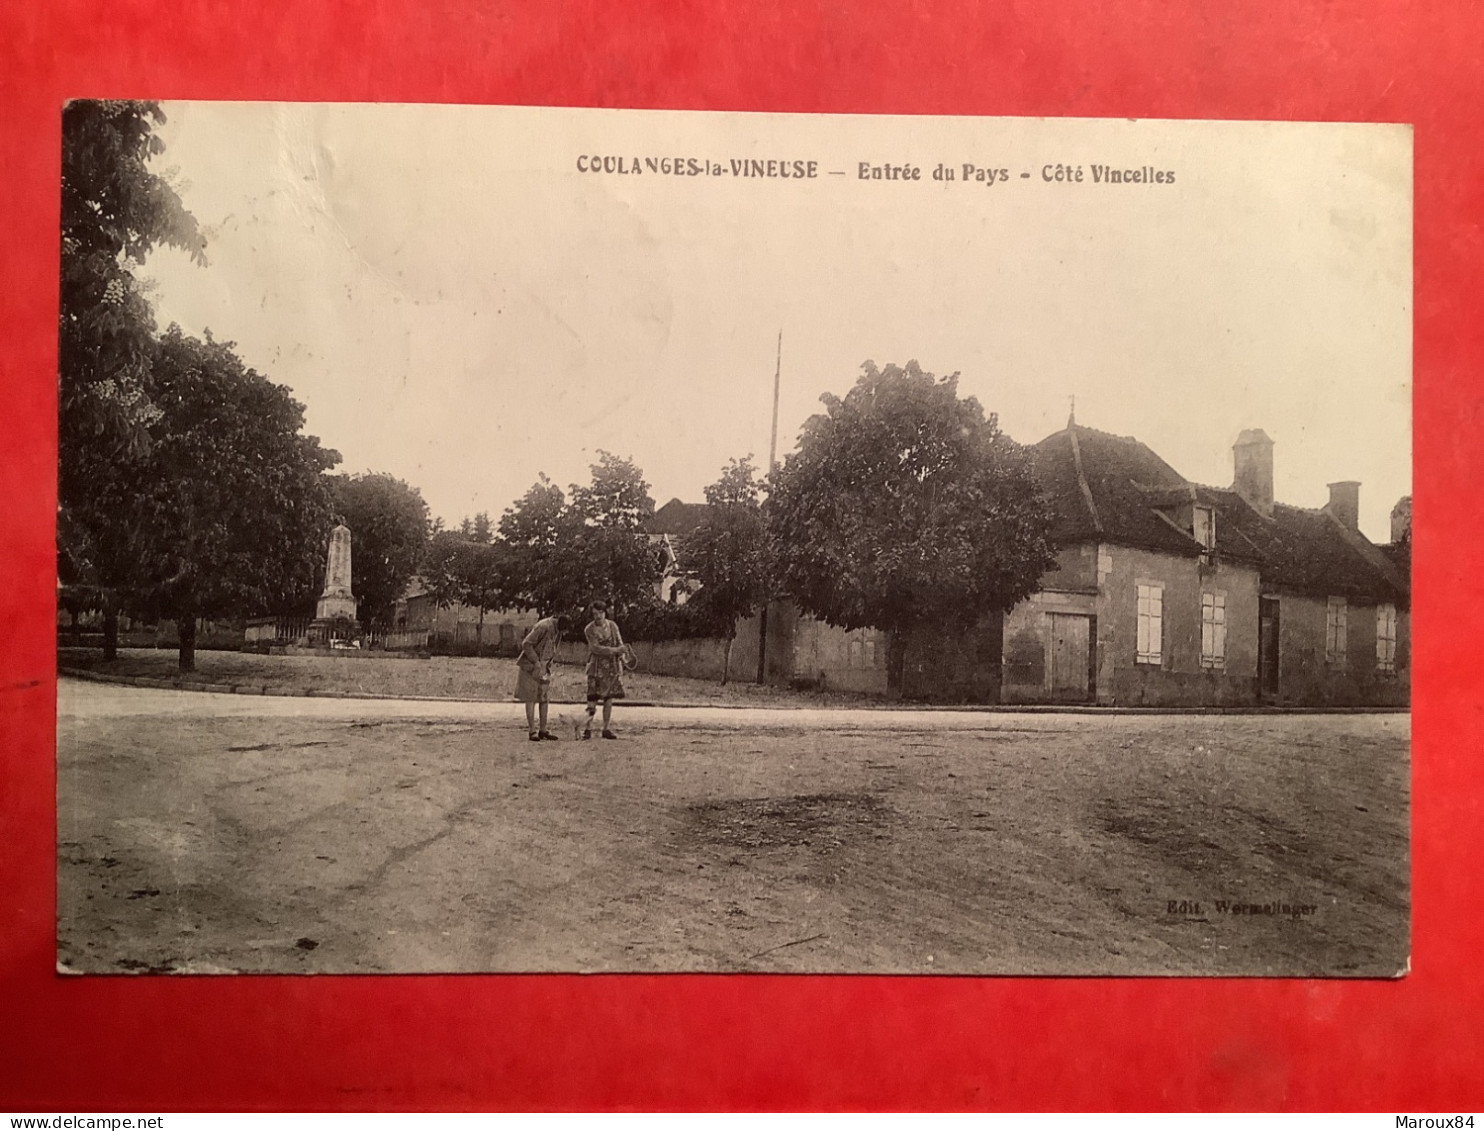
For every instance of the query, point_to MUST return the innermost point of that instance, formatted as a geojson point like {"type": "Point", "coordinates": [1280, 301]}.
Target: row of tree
{"type": "Point", "coordinates": [189, 489]}
{"type": "Point", "coordinates": [186, 487]}
{"type": "Point", "coordinates": [903, 508]}
{"type": "Point", "coordinates": [555, 551]}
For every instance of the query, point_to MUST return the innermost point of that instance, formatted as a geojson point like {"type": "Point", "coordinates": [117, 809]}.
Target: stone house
{"type": "Point", "coordinates": [1168, 592]}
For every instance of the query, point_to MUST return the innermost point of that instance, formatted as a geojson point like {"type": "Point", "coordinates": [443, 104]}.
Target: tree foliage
{"type": "Point", "coordinates": [477, 529]}
{"type": "Point", "coordinates": [114, 211]}
{"type": "Point", "coordinates": [462, 570]}
{"type": "Point", "coordinates": [616, 498]}
{"type": "Point", "coordinates": [728, 551]}
{"type": "Point", "coordinates": [616, 560]}
{"type": "Point", "coordinates": [536, 537]}
{"type": "Point", "coordinates": [389, 528]}
{"type": "Point", "coordinates": [229, 511]}
{"type": "Point", "coordinates": [905, 507]}
{"type": "Point", "coordinates": [440, 573]}
{"type": "Point", "coordinates": [558, 551]}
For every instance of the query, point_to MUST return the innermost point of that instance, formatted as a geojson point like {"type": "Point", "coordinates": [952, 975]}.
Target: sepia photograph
{"type": "Point", "coordinates": [505, 539]}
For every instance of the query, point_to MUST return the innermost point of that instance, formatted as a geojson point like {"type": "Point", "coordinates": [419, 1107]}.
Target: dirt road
{"type": "Point", "coordinates": [214, 833]}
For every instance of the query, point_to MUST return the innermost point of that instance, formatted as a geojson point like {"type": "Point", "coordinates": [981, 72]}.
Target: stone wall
{"type": "Point", "coordinates": [699, 658]}
{"type": "Point", "coordinates": [1306, 676]}
{"type": "Point", "coordinates": [210, 636]}
{"type": "Point", "coordinates": [1025, 656]}
{"type": "Point", "coordinates": [1180, 679]}
{"type": "Point", "coordinates": [838, 659]}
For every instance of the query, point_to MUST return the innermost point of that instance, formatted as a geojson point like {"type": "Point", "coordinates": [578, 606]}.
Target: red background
{"type": "Point", "coordinates": [766, 1042]}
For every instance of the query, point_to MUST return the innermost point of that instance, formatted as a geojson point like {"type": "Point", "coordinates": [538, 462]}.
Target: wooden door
{"type": "Point", "coordinates": [1267, 647]}
{"type": "Point", "coordinates": [1066, 674]}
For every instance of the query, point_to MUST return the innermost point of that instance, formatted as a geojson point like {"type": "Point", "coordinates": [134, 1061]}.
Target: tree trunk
{"type": "Point", "coordinates": [74, 630]}
{"type": "Point", "coordinates": [479, 634]}
{"type": "Point", "coordinates": [726, 657]}
{"type": "Point", "coordinates": [110, 629]}
{"type": "Point", "coordinates": [186, 628]}
{"type": "Point", "coordinates": [762, 645]}
{"type": "Point", "coordinates": [896, 663]}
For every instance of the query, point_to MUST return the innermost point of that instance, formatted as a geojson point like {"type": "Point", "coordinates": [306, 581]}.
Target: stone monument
{"type": "Point", "coordinates": [337, 602]}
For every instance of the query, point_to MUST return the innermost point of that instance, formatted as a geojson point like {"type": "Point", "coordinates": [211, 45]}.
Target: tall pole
{"type": "Point", "coordinates": [777, 378]}
{"type": "Point", "coordinates": [762, 621]}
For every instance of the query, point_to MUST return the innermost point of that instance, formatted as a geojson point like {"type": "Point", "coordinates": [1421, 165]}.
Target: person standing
{"type": "Point", "coordinates": [605, 656]}
{"type": "Point", "coordinates": [533, 674]}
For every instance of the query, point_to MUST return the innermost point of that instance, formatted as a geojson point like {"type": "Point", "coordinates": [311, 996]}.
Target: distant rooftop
{"type": "Point", "coordinates": [676, 518]}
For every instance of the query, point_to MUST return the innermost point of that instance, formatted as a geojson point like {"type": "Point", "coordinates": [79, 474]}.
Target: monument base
{"type": "Point", "coordinates": [335, 606]}
{"type": "Point", "coordinates": [323, 630]}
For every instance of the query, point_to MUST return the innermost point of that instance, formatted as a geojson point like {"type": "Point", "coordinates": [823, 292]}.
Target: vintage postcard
{"type": "Point", "coordinates": [501, 539]}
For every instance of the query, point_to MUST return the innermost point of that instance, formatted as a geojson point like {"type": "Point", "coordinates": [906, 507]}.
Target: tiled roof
{"type": "Point", "coordinates": [1100, 487]}
{"type": "Point", "coordinates": [1310, 551]}
{"type": "Point", "coordinates": [676, 518]}
{"type": "Point", "coordinates": [1399, 554]}
{"type": "Point", "coordinates": [1114, 488]}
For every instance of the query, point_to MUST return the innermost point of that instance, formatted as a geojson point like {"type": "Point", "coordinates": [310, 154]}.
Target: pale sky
{"type": "Point", "coordinates": [457, 304]}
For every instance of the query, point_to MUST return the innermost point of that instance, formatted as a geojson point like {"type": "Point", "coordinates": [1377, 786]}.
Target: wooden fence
{"type": "Point", "coordinates": [261, 631]}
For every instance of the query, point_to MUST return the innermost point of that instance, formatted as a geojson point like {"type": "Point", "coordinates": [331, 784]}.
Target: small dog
{"type": "Point", "coordinates": [568, 722]}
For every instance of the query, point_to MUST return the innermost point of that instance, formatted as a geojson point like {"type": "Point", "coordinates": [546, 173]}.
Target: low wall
{"type": "Point", "coordinates": [210, 636]}
{"type": "Point", "coordinates": [800, 650]}
{"type": "Point", "coordinates": [837, 659]}
{"type": "Point", "coordinates": [701, 658]}
{"type": "Point", "coordinates": [344, 653]}
{"type": "Point", "coordinates": [137, 638]}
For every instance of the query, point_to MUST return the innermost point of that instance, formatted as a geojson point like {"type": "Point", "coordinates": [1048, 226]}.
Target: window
{"type": "Point", "coordinates": [1386, 638]}
{"type": "Point", "coordinates": [1334, 632]}
{"type": "Point", "coordinates": [1213, 630]}
{"type": "Point", "coordinates": [1203, 526]}
{"type": "Point", "coordinates": [1149, 647]}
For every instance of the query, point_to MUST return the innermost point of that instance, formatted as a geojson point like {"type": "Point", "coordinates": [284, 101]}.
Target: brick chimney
{"type": "Point", "coordinates": [1401, 519]}
{"type": "Point", "coordinates": [1252, 455]}
{"type": "Point", "coordinates": [1344, 503]}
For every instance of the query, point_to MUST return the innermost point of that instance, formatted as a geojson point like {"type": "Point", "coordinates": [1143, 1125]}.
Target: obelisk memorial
{"type": "Point", "coordinates": [337, 602]}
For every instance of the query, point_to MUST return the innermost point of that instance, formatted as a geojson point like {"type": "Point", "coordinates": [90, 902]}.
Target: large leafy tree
{"type": "Point", "coordinates": [114, 211]}
{"type": "Point", "coordinates": [462, 569]}
{"type": "Point", "coordinates": [537, 540]}
{"type": "Point", "coordinates": [557, 552]}
{"type": "Point", "coordinates": [728, 552]}
{"type": "Point", "coordinates": [389, 527]}
{"type": "Point", "coordinates": [617, 560]}
{"type": "Point", "coordinates": [229, 512]}
{"type": "Point", "coordinates": [905, 507]}
{"type": "Point", "coordinates": [440, 574]}
{"type": "Point", "coordinates": [616, 498]}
